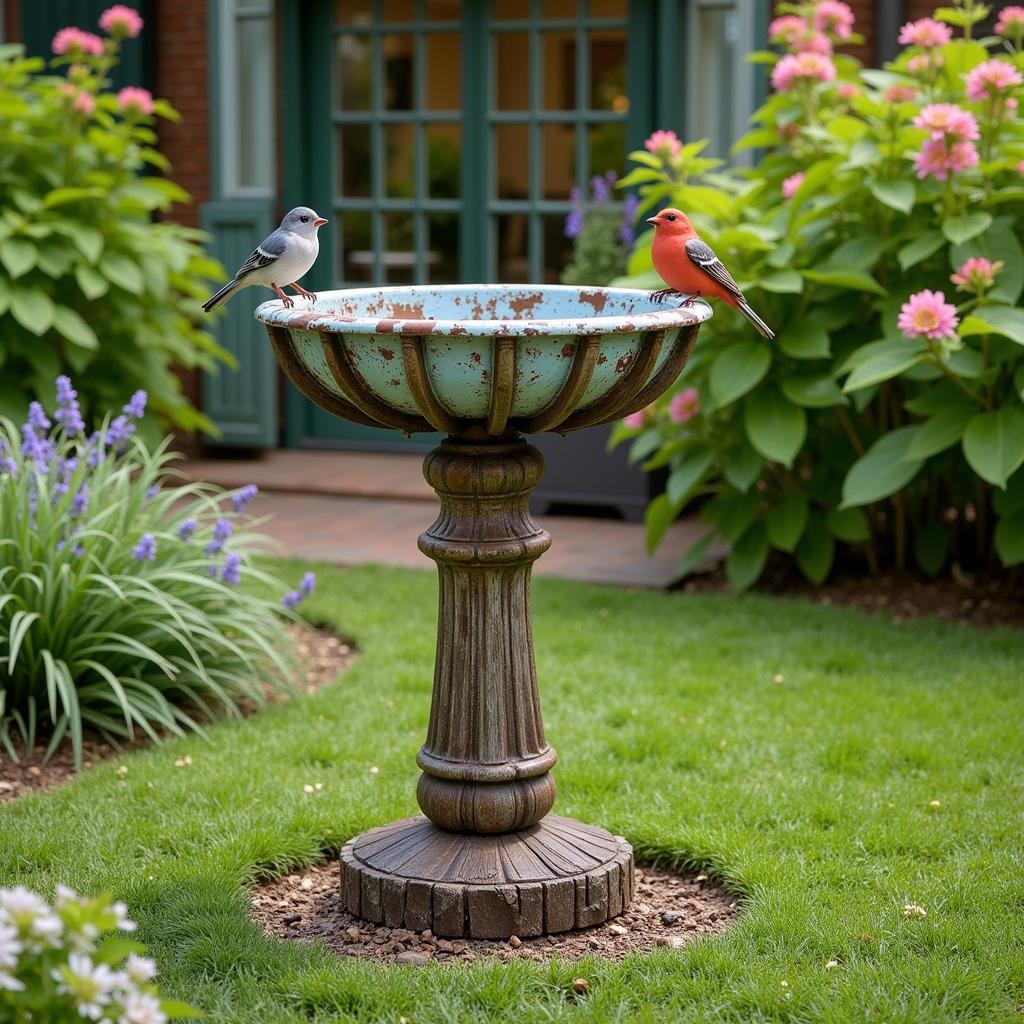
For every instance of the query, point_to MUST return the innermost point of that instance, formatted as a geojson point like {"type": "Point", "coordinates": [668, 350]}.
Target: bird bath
{"type": "Point", "coordinates": [484, 364]}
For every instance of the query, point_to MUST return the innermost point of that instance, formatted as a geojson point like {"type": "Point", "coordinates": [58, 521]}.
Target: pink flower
{"type": "Point", "coordinates": [834, 17]}
{"type": "Point", "coordinates": [847, 91]}
{"type": "Point", "coordinates": [1020, 167]}
{"type": "Point", "coordinates": [976, 275]}
{"type": "Point", "coordinates": [85, 104]}
{"type": "Point", "coordinates": [947, 121]}
{"type": "Point", "coordinates": [926, 32]}
{"type": "Point", "coordinates": [991, 79]}
{"type": "Point", "coordinates": [900, 94]}
{"type": "Point", "coordinates": [684, 406]}
{"type": "Point", "coordinates": [1011, 21]}
{"type": "Point", "coordinates": [134, 101]}
{"type": "Point", "coordinates": [120, 21]}
{"type": "Point", "coordinates": [928, 314]}
{"type": "Point", "coordinates": [75, 41]}
{"type": "Point", "coordinates": [938, 157]}
{"type": "Point", "coordinates": [925, 63]}
{"type": "Point", "coordinates": [787, 29]}
{"type": "Point", "coordinates": [635, 420]}
{"type": "Point", "coordinates": [664, 144]}
{"type": "Point", "coordinates": [791, 184]}
{"type": "Point", "coordinates": [799, 67]}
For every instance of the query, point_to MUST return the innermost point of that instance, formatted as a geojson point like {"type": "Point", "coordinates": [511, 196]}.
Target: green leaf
{"type": "Point", "coordinates": [687, 475]}
{"type": "Point", "coordinates": [1007, 321]}
{"type": "Point", "coordinates": [940, 431]}
{"type": "Point", "coordinates": [33, 309]}
{"type": "Point", "coordinates": [898, 193]}
{"type": "Point", "coordinates": [747, 557]}
{"type": "Point", "coordinates": [858, 280]}
{"type": "Point", "coordinates": [775, 426]}
{"type": "Point", "coordinates": [731, 514]}
{"type": "Point", "coordinates": [994, 444]}
{"type": "Point", "coordinates": [644, 444]}
{"type": "Point", "coordinates": [881, 470]}
{"type": "Point", "coordinates": [694, 555]}
{"type": "Point", "coordinates": [888, 359]}
{"type": "Point", "coordinates": [59, 196]}
{"type": "Point", "coordinates": [782, 281]}
{"type": "Point", "coordinates": [787, 521]}
{"type": "Point", "coordinates": [640, 176]}
{"type": "Point", "coordinates": [737, 369]}
{"type": "Point", "coordinates": [658, 516]}
{"type": "Point", "coordinates": [816, 550]}
{"type": "Point", "coordinates": [963, 227]}
{"type": "Point", "coordinates": [91, 281]}
{"type": "Point", "coordinates": [89, 242]}
{"type": "Point", "coordinates": [930, 547]}
{"type": "Point", "coordinates": [920, 249]}
{"type": "Point", "coordinates": [849, 524]}
{"type": "Point", "coordinates": [1009, 538]}
{"type": "Point", "coordinates": [860, 253]}
{"type": "Point", "coordinates": [74, 328]}
{"type": "Point", "coordinates": [742, 466]}
{"type": "Point", "coordinates": [804, 340]}
{"type": "Point", "coordinates": [18, 255]}
{"type": "Point", "coordinates": [175, 1009]}
{"type": "Point", "coordinates": [1012, 498]}
{"type": "Point", "coordinates": [121, 271]}
{"type": "Point", "coordinates": [813, 392]}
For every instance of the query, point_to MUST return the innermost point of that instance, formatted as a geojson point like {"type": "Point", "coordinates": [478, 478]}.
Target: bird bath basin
{"type": "Point", "coordinates": [485, 364]}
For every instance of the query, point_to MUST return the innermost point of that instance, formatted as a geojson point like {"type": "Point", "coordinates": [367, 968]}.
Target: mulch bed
{"type": "Point", "coordinates": [669, 910]}
{"type": "Point", "coordinates": [964, 600]}
{"type": "Point", "coordinates": [324, 654]}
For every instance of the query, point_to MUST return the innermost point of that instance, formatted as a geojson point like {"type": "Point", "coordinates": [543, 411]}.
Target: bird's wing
{"type": "Point", "coordinates": [268, 251]}
{"type": "Point", "coordinates": [703, 255]}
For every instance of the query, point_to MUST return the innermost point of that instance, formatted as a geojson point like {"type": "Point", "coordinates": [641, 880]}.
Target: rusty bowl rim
{"type": "Point", "coordinates": [276, 314]}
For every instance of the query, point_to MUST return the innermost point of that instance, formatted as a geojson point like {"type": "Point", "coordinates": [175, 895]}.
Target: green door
{"type": "Point", "coordinates": [444, 137]}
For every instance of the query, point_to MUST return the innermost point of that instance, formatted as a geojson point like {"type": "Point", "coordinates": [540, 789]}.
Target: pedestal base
{"type": "Point", "coordinates": [551, 877]}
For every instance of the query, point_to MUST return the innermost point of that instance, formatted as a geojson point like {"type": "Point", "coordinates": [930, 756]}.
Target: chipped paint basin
{"type": "Point", "coordinates": [496, 359]}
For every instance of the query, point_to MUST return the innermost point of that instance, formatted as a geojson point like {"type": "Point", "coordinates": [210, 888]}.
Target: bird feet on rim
{"type": "Point", "coordinates": [288, 301]}
{"type": "Point", "coordinates": [689, 300]}
{"type": "Point", "coordinates": [662, 294]}
{"type": "Point", "coordinates": [303, 292]}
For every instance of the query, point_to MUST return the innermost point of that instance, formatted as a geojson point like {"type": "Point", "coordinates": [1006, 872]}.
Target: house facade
{"type": "Point", "coordinates": [440, 137]}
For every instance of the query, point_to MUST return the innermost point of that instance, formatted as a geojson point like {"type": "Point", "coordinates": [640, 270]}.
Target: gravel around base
{"type": "Point", "coordinates": [324, 654]}
{"type": "Point", "coordinates": [669, 910]}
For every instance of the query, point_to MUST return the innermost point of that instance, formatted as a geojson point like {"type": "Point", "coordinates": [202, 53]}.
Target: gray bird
{"type": "Point", "coordinates": [280, 259]}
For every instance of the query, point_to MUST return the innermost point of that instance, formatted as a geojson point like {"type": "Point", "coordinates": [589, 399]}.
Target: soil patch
{"type": "Point", "coordinates": [963, 600]}
{"type": "Point", "coordinates": [669, 909]}
{"type": "Point", "coordinates": [324, 654]}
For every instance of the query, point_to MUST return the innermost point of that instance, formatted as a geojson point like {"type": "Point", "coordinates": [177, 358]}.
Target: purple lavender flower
{"type": "Point", "coordinates": [241, 500]}
{"type": "Point", "coordinates": [221, 531]}
{"type": "Point", "coordinates": [68, 413]}
{"type": "Point", "coordinates": [120, 429]}
{"type": "Point", "coordinates": [601, 186]}
{"type": "Point", "coordinates": [7, 464]}
{"type": "Point", "coordinates": [38, 449]}
{"type": "Point", "coordinates": [37, 418]}
{"type": "Point", "coordinates": [573, 223]}
{"type": "Point", "coordinates": [307, 584]}
{"type": "Point", "coordinates": [187, 528]}
{"type": "Point", "coordinates": [78, 551]}
{"type": "Point", "coordinates": [291, 599]}
{"type": "Point", "coordinates": [152, 492]}
{"type": "Point", "coordinates": [627, 232]}
{"type": "Point", "coordinates": [80, 502]}
{"type": "Point", "coordinates": [231, 573]}
{"type": "Point", "coordinates": [136, 407]}
{"type": "Point", "coordinates": [145, 550]}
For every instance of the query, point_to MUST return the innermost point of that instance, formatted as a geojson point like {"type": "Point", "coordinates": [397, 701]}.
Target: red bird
{"type": "Point", "coordinates": [689, 266]}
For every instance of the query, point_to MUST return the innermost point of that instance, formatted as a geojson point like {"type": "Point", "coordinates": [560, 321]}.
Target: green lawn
{"type": "Point", "coordinates": [810, 797]}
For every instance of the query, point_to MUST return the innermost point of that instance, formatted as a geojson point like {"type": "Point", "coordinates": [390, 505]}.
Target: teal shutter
{"type": "Point", "coordinates": [243, 401]}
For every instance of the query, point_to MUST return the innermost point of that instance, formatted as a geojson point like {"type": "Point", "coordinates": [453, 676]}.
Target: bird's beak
{"type": "Point", "coordinates": [652, 220]}
{"type": "Point", "coordinates": [319, 222]}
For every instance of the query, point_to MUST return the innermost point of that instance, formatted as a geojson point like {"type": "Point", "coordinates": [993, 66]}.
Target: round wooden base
{"type": "Point", "coordinates": [551, 877]}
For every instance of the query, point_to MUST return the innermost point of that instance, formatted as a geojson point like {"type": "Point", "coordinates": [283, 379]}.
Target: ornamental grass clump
{"type": "Point", "coordinates": [880, 235]}
{"type": "Point", "coordinates": [128, 604]}
{"type": "Point", "coordinates": [67, 962]}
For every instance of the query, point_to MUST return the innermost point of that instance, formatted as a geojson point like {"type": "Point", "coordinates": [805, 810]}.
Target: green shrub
{"type": "Point", "coordinates": [66, 963]}
{"type": "Point", "coordinates": [882, 419]}
{"type": "Point", "coordinates": [89, 284]}
{"type": "Point", "coordinates": [121, 607]}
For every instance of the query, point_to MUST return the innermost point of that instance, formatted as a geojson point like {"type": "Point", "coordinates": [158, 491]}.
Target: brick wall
{"type": "Point", "coordinates": [12, 19]}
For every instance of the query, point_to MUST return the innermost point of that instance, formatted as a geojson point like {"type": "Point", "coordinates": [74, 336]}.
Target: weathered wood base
{"type": "Point", "coordinates": [551, 877]}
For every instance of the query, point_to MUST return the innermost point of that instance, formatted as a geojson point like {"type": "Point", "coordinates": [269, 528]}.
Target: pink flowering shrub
{"type": "Point", "coordinates": [880, 236]}
{"type": "Point", "coordinates": [90, 284]}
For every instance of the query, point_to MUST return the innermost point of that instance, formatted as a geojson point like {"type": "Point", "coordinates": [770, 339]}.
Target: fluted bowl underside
{"type": "Point", "coordinates": [497, 358]}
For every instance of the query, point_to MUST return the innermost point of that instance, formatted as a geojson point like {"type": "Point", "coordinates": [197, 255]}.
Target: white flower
{"type": "Point", "coordinates": [87, 984]}
{"type": "Point", "coordinates": [142, 1009]}
{"type": "Point", "coordinates": [10, 947]}
{"type": "Point", "coordinates": [37, 926]}
{"type": "Point", "coordinates": [120, 911]}
{"type": "Point", "coordinates": [9, 982]}
{"type": "Point", "coordinates": [63, 896]}
{"type": "Point", "coordinates": [140, 969]}
{"type": "Point", "coordinates": [83, 938]}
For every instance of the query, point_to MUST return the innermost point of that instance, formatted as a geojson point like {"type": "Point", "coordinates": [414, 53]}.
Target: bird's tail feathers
{"type": "Point", "coordinates": [222, 296]}
{"type": "Point", "coordinates": [762, 328]}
